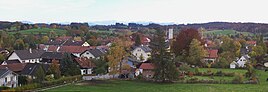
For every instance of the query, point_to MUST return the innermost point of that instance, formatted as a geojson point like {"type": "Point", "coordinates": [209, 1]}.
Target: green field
{"type": "Point", "coordinates": [41, 30]}
{"type": "Point", "coordinates": [138, 86]}
{"type": "Point", "coordinates": [226, 32]}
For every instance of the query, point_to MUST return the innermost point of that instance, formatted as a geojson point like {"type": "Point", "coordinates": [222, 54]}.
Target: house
{"type": "Point", "coordinates": [233, 65]}
{"type": "Point", "coordinates": [4, 51]}
{"type": "Point", "coordinates": [146, 69]}
{"type": "Point", "coordinates": [243, 60]}
{"type": "Point", "coordinates": [142, 53]}
{"type": "Point", "coordinates": [93, 53]}
{"type": "Point", "coordinates": [8, 78]}
{"type": "Point", "coordinates": [75, 43]}
{"type": "Point", "coordinates": [30, 69]}
{"type": "Point", "coordinates": [26, 56]}
{"type": "Point", "coordinates": [85, 64]}
{"type": "Point", "coordinates": [212, 56]}
{"type": "Point", "coordinates": [7, 62]}
{"type": "Point", "coordinates": [75, 50]}
{"type": "Point", "coordinates": [47, 57]}
{"type": "Point", "coordinates": [251, 43]}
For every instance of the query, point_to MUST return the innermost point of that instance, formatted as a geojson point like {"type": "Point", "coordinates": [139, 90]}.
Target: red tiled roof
{"type": "Point", "coordinates": [85, 62]}
{"type": "Point", "coordinates": [63, 38]}
{"type": "Point", "coordinates": [74, 49]}
{"type": "Point", "coordinates": [14, 67]}
{"type": "Point", "coordinates": [148, 66]}
{"type": "Point", "coordinates": [212, 53]}
{"type": "Point", "coordinates": [52, 48]}
{"type": "Point", "coordinates": [251, 42]}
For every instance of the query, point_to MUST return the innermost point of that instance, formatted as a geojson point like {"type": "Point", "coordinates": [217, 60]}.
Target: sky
{"type": "Point", "coordinates": [158, 11]}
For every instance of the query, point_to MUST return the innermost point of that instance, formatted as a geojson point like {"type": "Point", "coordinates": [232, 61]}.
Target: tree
{"type": "Point", "coordinates": [40, 74]}
{"type": "Point", "coordinates": [163, 60]}
{"type": "Point", "coordinates": [68, 66]}
{"type": "Point", "coordinates": [184, 39]}
{"type": "Point", "coordinates": [55, 69]}
{"type": "Point", "coordinates": [115, 56]}
{"type": "Point", "coordinates": [226, 58]}
{"type": "Point", "coordinates": [44, 39]}
{"type": "Point", "coordinates": [196, 53]}
{"type": "Point", "coordinates": [19, 45]}
{"type": "Point", "coordinates": [137, 40]}
{"type": "Point", "coordinates": [101, 66]}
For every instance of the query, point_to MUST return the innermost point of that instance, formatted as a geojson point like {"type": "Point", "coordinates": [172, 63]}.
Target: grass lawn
{"type": "Point", "coordinates": [138, 86]}
{"type": "Point", "coordinates": [227, 32]}
{"type": "Point", "coordinates": [41, 30]}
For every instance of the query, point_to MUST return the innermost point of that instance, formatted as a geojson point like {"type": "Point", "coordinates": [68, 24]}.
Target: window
{"type": "Point", "coordinates": [6, 79]}
{"type": "Point", "coordinates": [11, 78]}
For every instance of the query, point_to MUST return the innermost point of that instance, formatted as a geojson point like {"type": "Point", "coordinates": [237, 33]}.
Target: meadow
{"type": "Point", "coordinates": [141, 86]}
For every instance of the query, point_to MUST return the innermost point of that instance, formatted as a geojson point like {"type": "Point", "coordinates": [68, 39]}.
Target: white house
{"type": "Point", "coordinates": [242, 61]}
{"type": "Point", "coordinates": [26, 56]}
{"type": "Point", "coordinates": [86, 65]}
{"type": "Point", "coordinates": [233, 65]}
{"type": "Point", "coordinates": [142, 53]}
{"type": "Point", "coordinates": [8, 78]}
{"type": "Point", "coordinates": [92, 54]}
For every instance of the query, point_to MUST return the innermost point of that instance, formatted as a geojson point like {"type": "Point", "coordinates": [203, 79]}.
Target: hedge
{"type": "Point", "coordinates": [60, 81]}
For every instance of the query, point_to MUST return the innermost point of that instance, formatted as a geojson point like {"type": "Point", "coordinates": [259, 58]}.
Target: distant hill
{"type": "Point", "coordinates": [241, 27]}
{"type": "Point", "coordinates": [41, 30]}
{"type": "Point", "coordinates": [226, 32]}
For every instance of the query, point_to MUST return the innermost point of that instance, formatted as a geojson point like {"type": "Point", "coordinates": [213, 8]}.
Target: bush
{"type": "Point", "coordinates": [238, 79]}
{"type": "Point", "coordinates": [3, 88]}
{"type": "Point", "coordinates": [62, 80]}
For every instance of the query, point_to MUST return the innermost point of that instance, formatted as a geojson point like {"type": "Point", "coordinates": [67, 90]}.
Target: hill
{"type": "Point", "coordinates": [41, 30]}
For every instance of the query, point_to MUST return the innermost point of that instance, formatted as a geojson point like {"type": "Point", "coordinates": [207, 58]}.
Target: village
{"type": "Point", "coordinates": [183, 54]}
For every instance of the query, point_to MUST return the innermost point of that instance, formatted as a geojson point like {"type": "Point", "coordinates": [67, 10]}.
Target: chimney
{"type": "Point", "coordinates": [30, 50]}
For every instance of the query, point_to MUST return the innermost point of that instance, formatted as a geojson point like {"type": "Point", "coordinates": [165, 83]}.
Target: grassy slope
{"type": "Point", "coordinates": [227, 32]}
{"type": "Point", "coordinates": [42, 30]}
{"type": "Point", "coordinates": [134, 86]}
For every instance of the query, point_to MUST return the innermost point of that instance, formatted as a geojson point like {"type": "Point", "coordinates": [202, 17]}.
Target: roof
{"type": "Point", "coordinates": [52, 48]}
{"type": "Point", "coordinates": [143, 47]}
{"type": "Point", "coordinates": [212, 53]}
{"type": "Point", "coordinates": [16, 67]}
{"type": "Point", "coordinates": [95, 52]}
{"type": "Point", "coordinates": [74, 49]}
{"type": "Point", "coordinates": [52, 55]}
{"type": "Point", "coordinates": [29, 54]}
{"type": "Point", "coordinates": [12, 61]}
{"type": "Point", "coordinates": [73, 43]}
{"type": "Point", "coordinates": [148, 66]}
{"type": "Point", "coordinates": [31, 68]}
{"type": "Point", "coordinates": [251, 42]}
{"type": "Point", "coordinates": [85, 62]}
{"type": "Point", "coordinates": [4, 72]}
{"type": "Point", "coordinates": [54, 42]}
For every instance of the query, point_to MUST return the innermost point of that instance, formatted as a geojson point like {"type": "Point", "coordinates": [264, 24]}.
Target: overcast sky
{"type": "Point", "coordinates": [177, 11]}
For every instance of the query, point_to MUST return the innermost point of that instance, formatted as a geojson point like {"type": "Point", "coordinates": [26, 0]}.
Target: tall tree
{"type": "Point", "coordinates": [55, 69]}
{"type": "Point", "coordinates": [115, 56]}
{"type": "Point", "coordinates": [40, 74]}
{"type": "Point", "coordinates": [101, 66]}
{"type": "Point", "coordinates": [68, 66]}
{"type": "Point", "coordinates": [138, 40]}
{"type": "Point", "coordinates": [163, 60]}
{"type": "Point", "coordinates": [196, 53]}
{"type": "Point", "coordinates": [184, 39]}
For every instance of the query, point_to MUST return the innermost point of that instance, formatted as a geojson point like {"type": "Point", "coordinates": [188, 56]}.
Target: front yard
{"type": "Point", "coordinates": [139, 86]}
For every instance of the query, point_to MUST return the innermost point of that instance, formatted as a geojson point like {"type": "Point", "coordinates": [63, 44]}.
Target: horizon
{"type": "Point", "coordinates": [128, 11]}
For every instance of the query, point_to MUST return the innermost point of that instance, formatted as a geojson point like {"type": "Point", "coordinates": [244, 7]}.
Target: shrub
{"type": "Point", "coordinates": [219, 73]}
{"type": "Point", "coordinates": [190, 74]}
{"type": "Point", "coordinates": [238, 78]}
{"type": "Point", "coordinates": [3, 88]}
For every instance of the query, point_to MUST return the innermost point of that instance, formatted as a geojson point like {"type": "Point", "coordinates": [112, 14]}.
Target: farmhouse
{"type": "Point", "coordinates": [146, 69]}
{"type": "Point", "coordinates": [243, 60]}
{"type": "Point", "coordinates": [212, 56]}
{"type": "Point", "coordinates": [92, 53]}
{"type": "Point", "coordinates": [86, 65]}
{"type": "Point", "coordinates": [8, 78]}
{"type": "Point", "coordinates": [26, 56]}
{"type": "Point", "coordinates": [142, 53]}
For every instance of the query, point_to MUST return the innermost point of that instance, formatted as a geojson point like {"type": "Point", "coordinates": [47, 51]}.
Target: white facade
{"type": "Point", "coordinates": [86, 71]}
{"type": "Point", "coordinates": [10, 80]}
{"type": "Point", "coordinates": [14, 56]}
{"type": "Point", "coordinates": [170, 33]}
{"type": "Point", "coordinates": [242, 61]}
{"type": "Point", "coordinates": [233, 65]}
{"type": "Point", "coordinates": [138, 52]}
{"type": "Point", "coordinates": [88, 55]}
{"type": "Point", "coordinates": [85, 44]}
